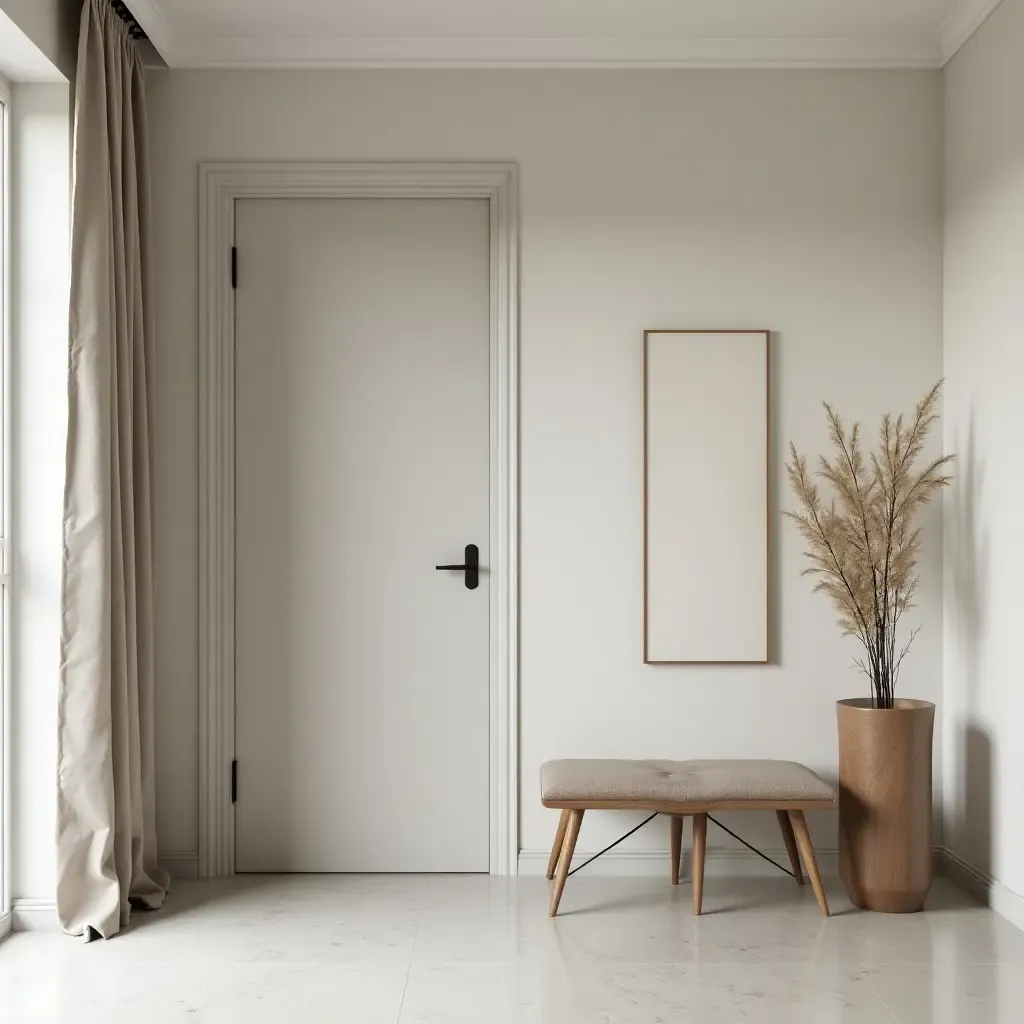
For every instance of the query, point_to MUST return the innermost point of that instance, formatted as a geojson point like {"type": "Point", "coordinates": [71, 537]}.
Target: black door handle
{"type": "Point", "coordinates": [471, 568]}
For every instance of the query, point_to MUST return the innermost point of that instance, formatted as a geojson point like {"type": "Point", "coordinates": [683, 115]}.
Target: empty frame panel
{"type": "Point", "coordinates": [706, 496]}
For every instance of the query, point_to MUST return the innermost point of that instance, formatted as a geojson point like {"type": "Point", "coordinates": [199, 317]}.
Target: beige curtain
{"type": "Point", "coordinates": [106, 829]}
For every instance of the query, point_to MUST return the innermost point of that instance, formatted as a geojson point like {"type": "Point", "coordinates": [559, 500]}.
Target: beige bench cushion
{"type": "Point", "coordinates": [682, 782]}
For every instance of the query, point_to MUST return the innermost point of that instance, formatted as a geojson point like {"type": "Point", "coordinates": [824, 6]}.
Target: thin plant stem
{"type": "Point", "coordinates": [862, 547]}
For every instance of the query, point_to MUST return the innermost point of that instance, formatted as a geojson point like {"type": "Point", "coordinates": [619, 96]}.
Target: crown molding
{"type": "Point", "coordinates": [961, 23]}
{"type": "Point", "coordinates": [548, 53]}
{"type": "Point", "coordinates": [154, 24]}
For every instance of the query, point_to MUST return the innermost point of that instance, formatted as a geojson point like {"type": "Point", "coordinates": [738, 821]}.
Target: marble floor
{"type": "Point", "coordinates": [478, 950]}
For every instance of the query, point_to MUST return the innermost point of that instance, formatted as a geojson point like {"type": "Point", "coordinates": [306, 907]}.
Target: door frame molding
{"type": "Point", "coordinates": [220, 186]}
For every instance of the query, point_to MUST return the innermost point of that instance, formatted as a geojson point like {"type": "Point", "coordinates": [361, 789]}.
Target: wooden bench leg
{"type": "Point", "coordinates": [677, 845]}
{"type": "Point", "coordinates": [568, 846]}
{"type": "Point", "coordinates": [803, 839]}
{"type": "Point", "coordinates": [563, 821]}
{"type": "Point", "coordinates": [790, 840]}
{"type": "Point", "coordinates": [700, 842]}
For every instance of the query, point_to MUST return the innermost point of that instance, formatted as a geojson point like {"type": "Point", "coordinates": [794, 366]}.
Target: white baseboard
{"type": "Point", "coordinates": [963, 875]}
{"type": "Point", "coordinates": [5, 925]}
{"type": "Point", "coordinates": [1001, 898]}
{"type": "Point", "coordinates": [34, 914]}
{"type": "Point", "coordinates": [724, 863]}
{"type": "Point", "coordinates": [1008, 903]}
{"type": "Point", "coordinates": [180, 863]}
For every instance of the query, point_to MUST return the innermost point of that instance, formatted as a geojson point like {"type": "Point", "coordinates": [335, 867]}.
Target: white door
{"type": "Point", "coordinates": [362, 446]}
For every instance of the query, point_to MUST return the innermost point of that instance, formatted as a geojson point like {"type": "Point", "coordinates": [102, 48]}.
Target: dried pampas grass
{"type": "Point", "coordinates": [862, 543]}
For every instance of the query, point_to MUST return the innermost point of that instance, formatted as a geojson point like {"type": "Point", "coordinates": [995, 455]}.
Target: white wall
{"type": "Point", "coordinates": [52, 25]}
{"type": "Point", "coordinates": [40, 136]}
{"type": "Point", "coordinates": [807, 202]}
{"type": "Point", "coordinates": [984, 425]}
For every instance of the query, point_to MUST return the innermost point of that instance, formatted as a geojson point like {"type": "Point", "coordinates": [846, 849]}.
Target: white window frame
{"type": "Point", "coordinates": [5, 511]}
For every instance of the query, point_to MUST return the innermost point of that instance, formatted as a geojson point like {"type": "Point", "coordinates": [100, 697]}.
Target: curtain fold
{"type": "Point", "coordinates": [106, 821]}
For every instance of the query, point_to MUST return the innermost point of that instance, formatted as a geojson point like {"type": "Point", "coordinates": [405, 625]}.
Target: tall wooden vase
{"type": "Point", "coordinates": [885, 803]}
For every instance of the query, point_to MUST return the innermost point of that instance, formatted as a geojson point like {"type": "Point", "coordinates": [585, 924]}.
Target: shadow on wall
{"type": "Point", "coordinates": [972, 741]}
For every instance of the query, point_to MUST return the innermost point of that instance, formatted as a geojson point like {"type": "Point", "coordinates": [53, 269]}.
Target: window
{"type": "Point", "coordinates": [5, 512]}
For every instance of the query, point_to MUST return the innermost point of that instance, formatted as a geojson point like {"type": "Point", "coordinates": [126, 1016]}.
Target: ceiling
{"type": "Point", "coordinates": [559, 33]}
{"type": "Point", "coordinates": [20, 59]}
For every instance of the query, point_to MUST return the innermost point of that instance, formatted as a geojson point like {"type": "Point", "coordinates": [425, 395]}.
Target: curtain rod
{"type": "Point", "coordinates": [134, 28]}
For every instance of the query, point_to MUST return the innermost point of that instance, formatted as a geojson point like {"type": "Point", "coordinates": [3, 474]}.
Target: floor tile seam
{"type": "Point", "coordinates": [412, 954]}
{"type": "Point", "coordinates": [867, 981]}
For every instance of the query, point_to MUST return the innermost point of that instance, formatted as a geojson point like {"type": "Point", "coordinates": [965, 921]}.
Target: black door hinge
{"type": "Point", "coordinates": [234, 266]}
{"type": "Point", "coordinates": [234, 781]}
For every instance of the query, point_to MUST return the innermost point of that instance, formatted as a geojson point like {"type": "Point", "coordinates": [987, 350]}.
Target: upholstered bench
{"type": "Point", "coordinates": [681, 788]}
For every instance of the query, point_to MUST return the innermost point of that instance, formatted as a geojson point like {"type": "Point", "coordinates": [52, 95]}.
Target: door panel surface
{"type": "Point", "coordinates": [362, 446]}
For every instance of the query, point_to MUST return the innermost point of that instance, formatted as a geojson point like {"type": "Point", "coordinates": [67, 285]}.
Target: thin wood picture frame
{"type": "Point", "coordinates": [762, 655]}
